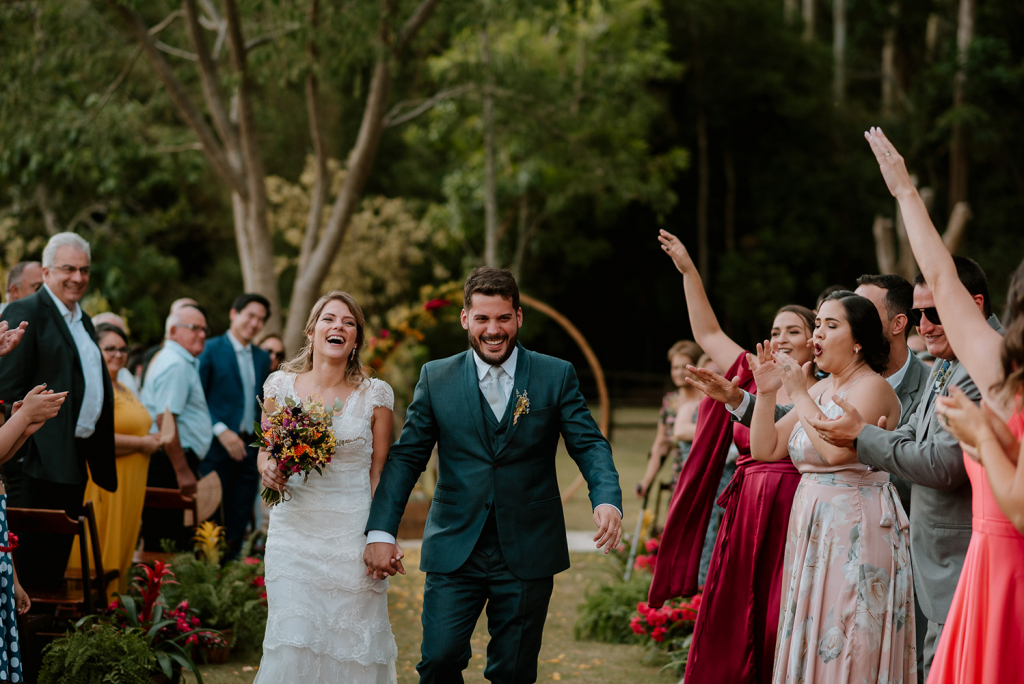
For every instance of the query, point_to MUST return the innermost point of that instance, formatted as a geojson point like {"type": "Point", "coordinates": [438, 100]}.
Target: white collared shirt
{"type": "Point", "coordinates": [896, 378]}
{"type": "Point", "coordinates": [92, 367]}
{"type": "Point", "coordinates": [247, 374]}
{"type": "Point", "coordinates": [508, 380]}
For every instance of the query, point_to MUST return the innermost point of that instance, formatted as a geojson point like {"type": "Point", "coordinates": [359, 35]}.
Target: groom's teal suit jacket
{"type": "Point", "coordinates": [481, 465]}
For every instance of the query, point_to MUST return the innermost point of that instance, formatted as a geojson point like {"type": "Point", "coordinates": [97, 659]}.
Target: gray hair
{"type": "Point", "coordinates": [64, 240]}
{"type": "Point", "coordinates": [174, 318]}
{"type": "Point", "coordinates": [14, 275]}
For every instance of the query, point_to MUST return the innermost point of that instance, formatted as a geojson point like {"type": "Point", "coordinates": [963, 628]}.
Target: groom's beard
{"type": "Point", "coordinates": [494, 360]}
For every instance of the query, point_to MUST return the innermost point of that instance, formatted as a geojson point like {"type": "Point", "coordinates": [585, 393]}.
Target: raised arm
{"type": "Point", "coordinates": [975, 343]}
{"type": "Point", "coordinates": [706, 330]}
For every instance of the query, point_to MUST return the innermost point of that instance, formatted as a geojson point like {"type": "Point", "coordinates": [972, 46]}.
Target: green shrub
{"type": "Point", "coordinates": [606, 613]}
{"type": "Point", "coordinates": [100, 655]}
{"type": "Point", "coordinates": [223, 597]}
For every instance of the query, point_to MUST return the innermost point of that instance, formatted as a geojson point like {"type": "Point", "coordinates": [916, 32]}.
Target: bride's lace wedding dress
{"type": "Point", "coordinates": [328, 621]}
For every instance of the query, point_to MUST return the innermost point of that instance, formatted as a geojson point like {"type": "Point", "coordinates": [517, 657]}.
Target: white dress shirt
{"type": "Point", "coordinates": [92, 367]}
{"type": "Point", "coordinates": [507, 380]}
{"type": "Point", "coordinates": [247, 372]}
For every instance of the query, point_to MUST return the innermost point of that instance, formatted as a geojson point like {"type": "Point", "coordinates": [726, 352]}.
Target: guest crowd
{"type": "Point", "coordinates": [85, 421]}
{"type": "Point", "coordinates": [869, 524]}
{"type": "Point", "coordinates": [873, 529]}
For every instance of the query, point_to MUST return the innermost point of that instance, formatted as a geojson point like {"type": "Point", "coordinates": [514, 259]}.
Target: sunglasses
{"type": "Point", "coordinates": [931, 313]}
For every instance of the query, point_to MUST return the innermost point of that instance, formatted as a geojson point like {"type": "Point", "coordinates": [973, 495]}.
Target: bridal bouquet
{"type": "Point", "coordinates": [299, 436]}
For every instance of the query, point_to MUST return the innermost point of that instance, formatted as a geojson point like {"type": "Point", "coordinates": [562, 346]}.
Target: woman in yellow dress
{"type": "Point", "coordinates": [118, 514]}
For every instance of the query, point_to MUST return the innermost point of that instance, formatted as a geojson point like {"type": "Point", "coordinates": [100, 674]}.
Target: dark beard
{"type": "Point", "coordinates": [477, 346]}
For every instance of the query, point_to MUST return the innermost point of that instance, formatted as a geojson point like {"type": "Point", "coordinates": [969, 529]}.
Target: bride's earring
{"type": "Point", "coordinates": [856, 349]}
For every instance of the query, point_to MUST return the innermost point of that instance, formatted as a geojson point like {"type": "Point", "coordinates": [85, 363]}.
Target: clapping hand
{"type": "Point", "coordinates": [972, 424]}
{"type": "Point", "coordinates": [767, 375]}
{"type": "Point", "coordinates": [891, 163]}
{"type": "Point", "coordinates": [795, 377]}
{"type": "Point", "coordinates": [9, 339]}
{"type": "Point", "coordinates": [675, 249]}
{"type": "Point", "coordinates": [715, 386]}
{"type": "Point", "coordinates": [38, 406]}
{"type": "Point", "coordinates": [842, 431]}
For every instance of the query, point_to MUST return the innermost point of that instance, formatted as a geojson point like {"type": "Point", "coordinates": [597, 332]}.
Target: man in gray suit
{"type": "Point", "coordinates": [922, 452]}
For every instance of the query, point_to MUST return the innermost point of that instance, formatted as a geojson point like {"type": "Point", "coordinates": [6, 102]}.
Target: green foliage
{"type": "Point", "coordinates": [101, 654]}
{"type": "Point", "coordinates": [228, 597]}
{"type": "Point", "coordinates": [606, 613]}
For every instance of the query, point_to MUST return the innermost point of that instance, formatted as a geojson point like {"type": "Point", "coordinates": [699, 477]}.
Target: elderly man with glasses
{"type": "Point", "coordinates": [173, 384]}
{"type": "Point", "coordinates": [58, 349]}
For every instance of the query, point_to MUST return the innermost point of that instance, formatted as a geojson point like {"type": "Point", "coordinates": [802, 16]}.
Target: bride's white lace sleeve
{"type": "Point", "coordinates": [273, 388]}
{"type": "Point", "coordinates": [381, 394]}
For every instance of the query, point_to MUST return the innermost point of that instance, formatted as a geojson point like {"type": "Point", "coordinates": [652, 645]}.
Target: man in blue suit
{"type": "Point", "coordinates": [233, 371]}
{"type": "Point", "coordinates": [495, 533]}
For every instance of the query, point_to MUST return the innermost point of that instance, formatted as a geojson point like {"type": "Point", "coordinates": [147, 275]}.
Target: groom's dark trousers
{"type": "Point", "coordinates": [495, 535]}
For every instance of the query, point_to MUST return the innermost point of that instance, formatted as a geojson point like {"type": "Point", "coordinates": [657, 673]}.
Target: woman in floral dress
{"type": "Point", "coordinates": [848, 608]}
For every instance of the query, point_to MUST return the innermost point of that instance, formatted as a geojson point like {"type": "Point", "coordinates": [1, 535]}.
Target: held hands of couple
{"type": "Point", "coordinates": [383, 560]}
{"type": "Point", "coordinates": [609, 527]}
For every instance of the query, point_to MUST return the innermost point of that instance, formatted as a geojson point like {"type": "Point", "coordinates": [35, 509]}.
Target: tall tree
{"type": "Point", "coordinates": [232, 145]}
{"type": "Point", "coordinates": [958, 157]}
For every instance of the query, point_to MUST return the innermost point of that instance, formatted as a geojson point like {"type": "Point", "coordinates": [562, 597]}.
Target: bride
{"type": "Point", "coordinates": [328, 621]}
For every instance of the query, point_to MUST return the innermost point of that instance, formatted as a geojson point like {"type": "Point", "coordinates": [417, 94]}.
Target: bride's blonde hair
{"type": "Point", "coordinates": [302, 362]}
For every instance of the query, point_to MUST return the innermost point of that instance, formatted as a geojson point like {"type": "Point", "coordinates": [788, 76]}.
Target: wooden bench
{"type": "Point", "coordinates": [167, 499]}
{"type": "Point", "coordinates": [74, 575]}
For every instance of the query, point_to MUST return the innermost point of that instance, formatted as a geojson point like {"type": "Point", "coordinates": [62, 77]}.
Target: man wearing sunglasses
{"type": "Point", "coordinates": [58, 349]}
{"type": "Point", "coordinates": [922, 452]}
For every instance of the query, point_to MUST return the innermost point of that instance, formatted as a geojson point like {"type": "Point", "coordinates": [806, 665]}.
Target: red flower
{"type": "Point", "coordinates": [435, 304]}
{"type": "Point", "coordinates": [385, 333]}
{"type": "Point", "coordinates": [659, 634]}
{"type": "Point", "coordinates": [636, 625]}
{"type": "Point", "coordinates": [252, 560]}
{"type": "Point", "coordinates": [259, 581]}
{"type": "Point", "coordinates": [652, 545]}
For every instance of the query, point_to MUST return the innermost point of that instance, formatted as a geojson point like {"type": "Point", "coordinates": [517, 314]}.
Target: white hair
{"type": "Point", "coordinates": [64, 240]}
{"type": "Point", "coordinates": [172, 321]}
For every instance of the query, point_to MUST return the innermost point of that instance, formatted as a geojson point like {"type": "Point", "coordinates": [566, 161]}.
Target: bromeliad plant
{"type": "Point", "coordinates": [208, 541]}
{"type": "Point", "coordinates": [169, 634]}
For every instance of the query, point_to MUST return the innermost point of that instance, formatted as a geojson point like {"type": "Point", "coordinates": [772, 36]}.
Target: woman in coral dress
{"type": "Point", "coordinates": [983, 638]}
{"type": "Point", "coordinates": [118, 514]}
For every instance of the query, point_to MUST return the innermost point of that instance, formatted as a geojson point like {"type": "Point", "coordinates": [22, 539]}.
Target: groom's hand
{"type": "Point", "coordinates": [609, 527]}
{"type": "Point", "coordinates": [383, 560]}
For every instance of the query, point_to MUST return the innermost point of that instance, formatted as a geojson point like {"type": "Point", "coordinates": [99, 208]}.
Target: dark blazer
{"type": "Point", "coordinates": [222, 382]}
{"type": "Point", "coordinates": [47, 353]}
{"type": "Point", "coordinates": [514, 472]}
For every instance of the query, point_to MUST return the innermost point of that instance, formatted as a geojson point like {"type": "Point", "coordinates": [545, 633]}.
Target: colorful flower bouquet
{"type": "Point", "coordinates": [299, 436]}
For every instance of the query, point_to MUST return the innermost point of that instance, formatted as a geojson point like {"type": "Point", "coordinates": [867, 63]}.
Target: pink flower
{"type": "Point", "coordinates": [385, 333]}
{"type": "Point", "coordinates": [652, 545]}
{"type": "Point", "coordinates": [435, 304]}
{"type": "Point", "coordinates": [636, 625]}
{"type": "Point", "coordinates": [252, 560]}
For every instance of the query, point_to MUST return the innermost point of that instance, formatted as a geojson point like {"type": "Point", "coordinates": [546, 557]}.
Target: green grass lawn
{"type": "Point", "coordinates": [562, 657]}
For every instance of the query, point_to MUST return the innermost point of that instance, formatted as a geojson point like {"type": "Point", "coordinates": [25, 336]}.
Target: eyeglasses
{"type": "Point", "coordinates": [931, 313]}
{"type": "Point", "coordinates": [114, 351]}
{"type": "Point", "coordinates": [69, 270]}
{"type": "Point", "coordinates": [195, 328]}
{"type": "Point", "coordinates": [279, 355]}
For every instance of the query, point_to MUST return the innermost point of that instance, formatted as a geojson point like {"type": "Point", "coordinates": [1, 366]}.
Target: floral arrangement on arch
{"type": "Point", "coordinates": [407, 324]}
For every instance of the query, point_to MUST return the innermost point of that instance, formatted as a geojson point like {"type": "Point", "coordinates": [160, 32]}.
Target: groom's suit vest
{"type": "Point", "coordinates": [483, 464]}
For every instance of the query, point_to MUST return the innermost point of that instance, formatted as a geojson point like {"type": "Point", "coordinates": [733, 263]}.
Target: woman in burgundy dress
{"type": "Point", "coordinates": [735, 633]}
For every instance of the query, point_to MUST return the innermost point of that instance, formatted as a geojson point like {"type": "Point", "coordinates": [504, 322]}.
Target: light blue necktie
{"type": "Point", "coordinates": [494, 396]}
{"type": "Point", "coordinates": [248, 374]}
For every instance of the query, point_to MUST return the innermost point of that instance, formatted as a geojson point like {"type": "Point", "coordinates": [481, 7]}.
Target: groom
{"type": "Point", "coordinates": [495, 533]}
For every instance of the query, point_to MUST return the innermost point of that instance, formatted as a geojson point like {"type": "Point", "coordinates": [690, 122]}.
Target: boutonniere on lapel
{"type": "Point", "coordinates": [942, 378]}
{"type": "Point", "coordinates": [522, 407]}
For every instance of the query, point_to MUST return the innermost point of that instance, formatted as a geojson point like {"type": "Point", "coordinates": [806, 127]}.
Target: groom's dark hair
{"type": "Point", "coordinates": [490, 281]}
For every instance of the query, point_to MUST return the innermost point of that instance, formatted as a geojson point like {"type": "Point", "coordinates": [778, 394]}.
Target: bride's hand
{"type": "Point", "coordinates": [272, 476]}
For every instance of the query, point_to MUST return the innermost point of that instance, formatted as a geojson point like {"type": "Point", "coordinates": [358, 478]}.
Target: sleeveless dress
{"type": "Point", "coordinates": [848, 608]}
{"type": "Point", "coordinates": [984, 632]}
{"type": "Point", "coordinates": [328, 622]}
{"type": "Point", "coordinates": [10, 654]}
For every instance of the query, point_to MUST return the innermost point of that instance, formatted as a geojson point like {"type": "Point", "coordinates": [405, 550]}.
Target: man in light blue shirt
{"type": "Point", "coordinates": [173, 384]}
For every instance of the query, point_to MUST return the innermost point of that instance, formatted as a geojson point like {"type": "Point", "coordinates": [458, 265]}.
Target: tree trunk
{"type": "Point", "coordinates": [958, 160]}
{"type": "Point", "coordinates": [839, 51]}
{"type": "Point", "coordinates": [789, 8]}
{"type": "Point", "coordinates": [490, 190]}
{"type": "Point", "coordinates": [808, 14]}
{"type": "Point", "coordinates": [703, 172]}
